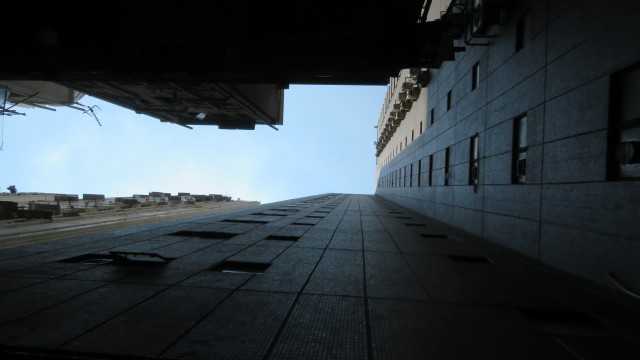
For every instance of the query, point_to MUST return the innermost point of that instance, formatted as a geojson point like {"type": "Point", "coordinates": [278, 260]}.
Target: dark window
{"type": "Point", "coordinates": [420, 127]}
{"type": "Point", "coordinates": [419, 172]}
{"type": "Point", "coordinates": [433, 116]}
{"type": "Point", "coordinates": [475, 76]}
{"type": "Point", "coordinates": [520, 32]}
{"type": "Point", "coordinates": [411, 175]}
{"type": "Point", "coordinates": [405, 176]}
{"type": "Point", "coordinates": [474, 166]}
{"type": "Point", "coordinates": [447, 156]}
{"type": "Point", "coordinates": [405, 141]}
{"type": "Point", "coordinates": [449, 100]}
{"type": "Point", "coordinates": [431, 170]}
{"type": "Point", "coordinates": [412, 131]}
{"type": "Point", "coordinates": [624, 125]}
{"type": "Point", "coordinates": [519, 164]}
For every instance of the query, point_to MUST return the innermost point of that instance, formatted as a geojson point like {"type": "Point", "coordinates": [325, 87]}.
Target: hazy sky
{"type": "Point", "coordinates": [325, 145]}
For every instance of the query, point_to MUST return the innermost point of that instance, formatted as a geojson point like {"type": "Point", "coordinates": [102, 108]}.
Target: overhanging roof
{"type": "Point", "coordinates": [116, 47]}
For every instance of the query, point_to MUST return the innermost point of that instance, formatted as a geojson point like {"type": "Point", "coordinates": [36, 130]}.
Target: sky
{"type": "Point", "coordinates": [325, 145]}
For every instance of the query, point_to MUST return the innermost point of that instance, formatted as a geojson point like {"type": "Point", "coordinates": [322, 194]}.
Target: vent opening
{"type": "Point", "coordinates": [283, 237]}
{"type": "Point", "coordinates": [142, 258]}
{"type": "Point", "coordinates": [414, 224]}
{"type": "Point", "coordinates": [120, 258]}
{"type": "Point", "coordinates": [89, 259]}
{"type": "Point", "coordinates": [268, 214]}
{"type": "Point", "coordinates": [240, 267]}
{"type": "Point", "coordinates": [404, 217]}
{"type": "Point", "coordinates": [205, 234]}
{"type": "Point", "coordinates": [241, 221]}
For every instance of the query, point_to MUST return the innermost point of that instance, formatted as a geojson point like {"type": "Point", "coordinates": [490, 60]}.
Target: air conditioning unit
{"type": "Point", "coordinates": [402, 95]}
{"type": "Point", "coordinates": [485, 13]}
{"type": "Point", "coordinates": [407, 85]}
{"type": "Point", "coordinates": [397, 106]}
{"type": "Point", "coordinates": [407, 104]}
{"type": "Point", "coordinates": [401, 114]}
{"type": "Point", "coordinates": [415, 92]}
{"type": "Point", "coordinates": [423, 78]}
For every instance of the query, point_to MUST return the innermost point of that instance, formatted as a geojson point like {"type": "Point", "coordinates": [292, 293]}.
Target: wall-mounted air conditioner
{"type": "Point", "coordinates": [415, 92]}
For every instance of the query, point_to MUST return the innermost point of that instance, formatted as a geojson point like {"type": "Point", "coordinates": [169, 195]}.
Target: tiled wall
{"type": "Point", "coordinates": [568, 214]}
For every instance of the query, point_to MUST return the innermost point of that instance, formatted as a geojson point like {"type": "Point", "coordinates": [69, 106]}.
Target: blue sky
{"type": "Point", "coordinates": [325, 145]}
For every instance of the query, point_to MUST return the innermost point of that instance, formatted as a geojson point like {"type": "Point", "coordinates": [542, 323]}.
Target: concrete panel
{"type": "Point", "coordinates": [582, 110]}
{"type": "Point", "coordinates": [514, 233]}
{"type": "Point", "coordinates": [607, 208]}
{"type": "Point", "coordinates": [514, 200]}
{"type": "Point", "coordinates": [580, 158]}
{"type": "Point", "coordinates": [591, 255]}
{"type": "Point", "coordinates": [498, 139]}
{"type": "Point", "coordinates": [517, 100]}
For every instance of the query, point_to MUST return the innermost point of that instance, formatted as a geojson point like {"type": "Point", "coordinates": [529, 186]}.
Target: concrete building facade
{"type": "Point", "coordinates": [530, 137]}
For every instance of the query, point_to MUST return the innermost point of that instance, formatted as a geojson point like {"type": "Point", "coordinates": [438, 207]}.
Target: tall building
{"type": "Point", "coordinates": [507, 160]}
{"type": "Point", "coordinates": [530, 138]}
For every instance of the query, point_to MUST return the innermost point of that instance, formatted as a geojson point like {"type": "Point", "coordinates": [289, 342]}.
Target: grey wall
{"type": "Point", "coordinates": [568, 214]}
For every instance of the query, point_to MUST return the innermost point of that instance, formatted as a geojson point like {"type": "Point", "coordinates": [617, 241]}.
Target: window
{"type": "Point", "coordinates": [520, 32]}
{"type": "Point", "coordinates": [420, 127]}
{"type": "Point", "coordinates": [405, 141]}
{"type": "Point", "coordinates": [412, 131]}
{"type": "Point", "coordinates": [474, 166]}
{"type": "Point", "coordinates": [433, 116]}
{"type": "Point", "coordinates": [411, 175]}
{"type": "Point", "coordinates": [475, 76]}
{"type": "Point", "coordinates": [519, 164]}
{"type": "Point", "coordinates": [449, 100]}
{"type": "Point", "coordinates": [447, 156]}
{"type": "Point", "coordinates": [404, 177]}
{"type": "Point", "coordinates": [419, 172]}
{"type": "Point", "coordinates": [623, 155]}
{"type": "Point", "coordinates": [431, 170]}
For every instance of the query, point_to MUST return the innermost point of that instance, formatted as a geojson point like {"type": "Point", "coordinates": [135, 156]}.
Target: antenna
{"type": "Point", "coordinates": [89, 111]}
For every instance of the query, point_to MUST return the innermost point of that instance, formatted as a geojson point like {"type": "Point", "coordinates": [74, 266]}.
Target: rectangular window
{"type": "Point", "coordinates": [475, 76]}
{"type": "Point", "coordinates": [474, 166]}
{"type": "Point", "coordinates": [431, 170]}
{"type": "Point", "coordinates": [411, 175]}
{"type": "Point", "coordinates": [520, 32]}
{"type": "Point", "coordinates": [433, 116]}
{"type": "Point", "coordinates": [412, 131]}
{"type": "Point", "coordinates": [449, 100]}
{"type": "Point", "coordinates": [405, 141]}
{"type": "Point", "coordinates": [447, 156]}
{"type": "Point", "coordinates": [519, 163]}
{"type": "Point", "coordinates": [405, 176]}
{"type": "Point", "coordinates": [419, 172]}
{"type": "Point", "coordinates": [420, 127]}
{"type": "Point", "coordinates": [623, 155]}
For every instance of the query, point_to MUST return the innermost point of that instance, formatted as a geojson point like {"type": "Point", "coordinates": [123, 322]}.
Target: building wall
{"type": "Point", "coordinates": [570, 213]}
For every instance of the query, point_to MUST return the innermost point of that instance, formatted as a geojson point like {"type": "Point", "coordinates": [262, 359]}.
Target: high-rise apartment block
{"type": "Point", "coordinates": [531, 137]}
